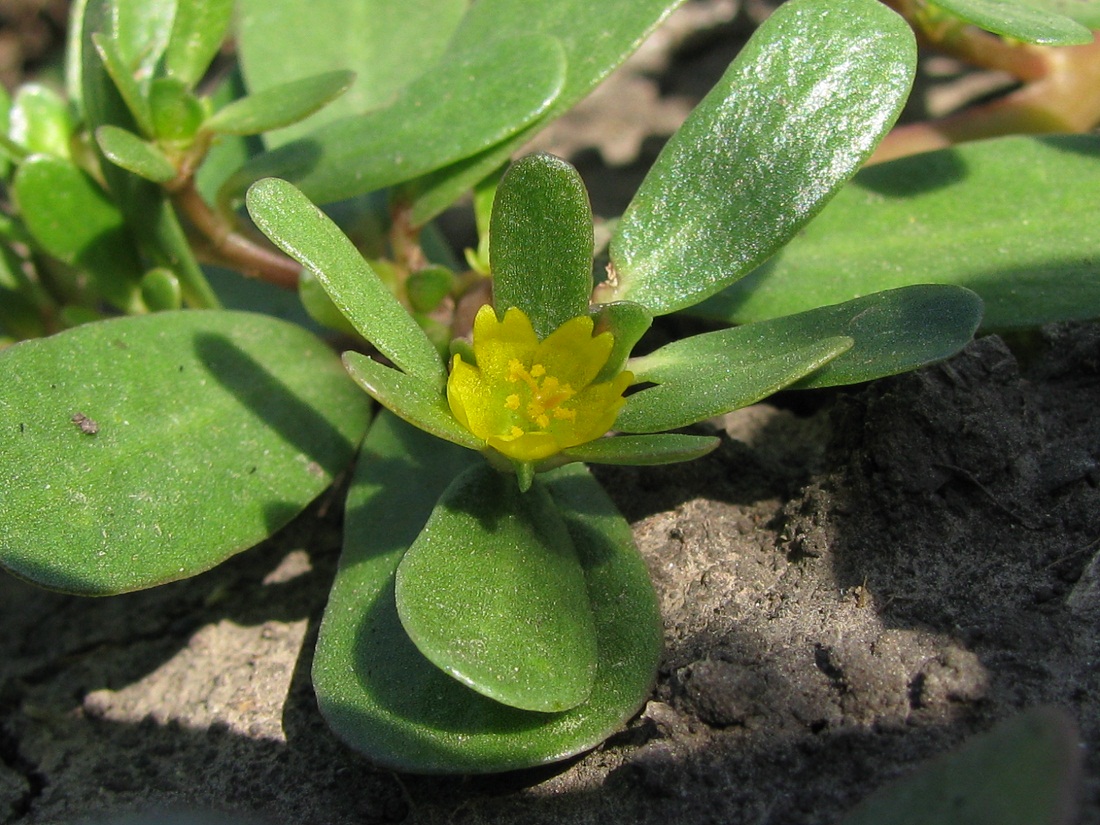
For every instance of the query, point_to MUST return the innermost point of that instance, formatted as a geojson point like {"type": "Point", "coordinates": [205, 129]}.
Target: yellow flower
{"type": "Point", "coordinates": [530, 399]}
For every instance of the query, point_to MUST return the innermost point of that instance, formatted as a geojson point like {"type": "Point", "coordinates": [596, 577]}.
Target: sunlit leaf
{"type": "Point", "coordinates": [1023, 21]}
{"type": "Point", "coordinates": [1000, 217]}
{"type": "Point", "coordinates": [664, 448]}
{"type": "Point", "coordinates": [279, 105]}
{"type": "Point", "coordinates": [198, 29]}
{"type": "Point", "coordinates": [540, 242]}
{"type": "Point", "coordinates": [791, 120]}
{"type": "Point", "coordinates": [306, 234]}
{"type": "Point", "coordinates": [127, 150]}
{"type": "Point", "coordinates": [160, 445]}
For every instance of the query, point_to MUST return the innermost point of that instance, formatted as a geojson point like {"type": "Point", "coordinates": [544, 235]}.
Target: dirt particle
{"type": "Point", "coordinates": [85, 424]}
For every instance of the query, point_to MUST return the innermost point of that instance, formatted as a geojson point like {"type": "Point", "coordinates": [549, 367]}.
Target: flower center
{"type": "Point", "coordinates": [546, 397]}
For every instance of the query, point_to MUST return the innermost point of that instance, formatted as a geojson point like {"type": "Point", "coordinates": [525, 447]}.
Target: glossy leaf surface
{"type": "Point", "coordinates": [199, 434]}
{"type": "Point", "coordinates": [540, 242]}
{"type": "Point", "coordinates": [691, 387]}
{"type": "Point", "coordinates": [1023, 772]}
{"type": "Point", "coordinates": [492, 592]}
{"type": "Point", "coordinates": [127, 150]}
{"type": "Point", "coordinates": [386, 45]}
{"type": "Point", "coordinates": [74, 220]}
{"type": "Point", "coordinates": [306, 234]}
{"type": "Point", "coordinates": [279, 105]}
{"type": "Point", "coordinates": [198, 29]}
{"type": "Point", "coordinates": [381, 695]}
{"type": "Point", "coordinates": [789, 122]}
{"type": "Point", "coordinates": [595, 42]}
{"type": "Point", "coordinates": [1021, 21]}
{"type": "Point", "coordinates": [1000, 217]}
{"type": "Point", "coordinates": [455, 110]}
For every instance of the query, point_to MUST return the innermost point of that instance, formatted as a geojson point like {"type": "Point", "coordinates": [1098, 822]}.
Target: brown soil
{"type": "Point", "coordinates": [854, 582]}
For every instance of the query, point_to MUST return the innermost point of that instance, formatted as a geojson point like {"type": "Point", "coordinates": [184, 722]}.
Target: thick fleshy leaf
{"type": "Point", "coordinates": [141, 29]}
{"type": "Point", "coordinates": [1000, 217]}
{"type": "Point", "coordinates": [72, 218]}
{"type": "Point", "coordinates": [40, 121]}
{"type": "Point", "coordinates": [665, 448]}
{"type": "Point", "coordinates": [306, 234]}
{"type": "Point", "coordinates": [382, 696]}
{"type": "Point", "coordinates": [492, 592]}
{"type": "Point", "coordinates": [794, 116]}
{"type": "Point", "coordinates": [540, 242]}
{"type": "Point", "coordinates": [125, 149]}
{"type": "Point", "coordinates": [125, 86]}
{"type": "Point", "coordinates": [198, 29]}
{"type": "Point", "coordinates": [176, 112]}
{"type": "Point", "coordinates": [1024, 772]}
{"type": "Point", "coordinates": [595, 42]}
{"type": "Point", "coordinates": [412, 399]}
{"type": "Point", "coordinates": [142, 450]}
{"type": "Point", "coordinates": [386, 45]}
{"type": "Point", "coordinates": [894, 331]}
{"type": "Point", "coordinates": [279, 105]}
{"type": "Point", "coordinates": [693, 385]}
{"type": "Point", "coordinates": [1023, 21]}
{"type": "Point", "coordinates": [1085, 12]}
{"type": "Point", "coordinates": [455, 110]}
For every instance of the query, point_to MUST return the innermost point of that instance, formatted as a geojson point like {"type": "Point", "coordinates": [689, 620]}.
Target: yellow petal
{"type": "Point", "coordinates": [572, 355]}
{"type": "Point", "coordinates": [497, 343]}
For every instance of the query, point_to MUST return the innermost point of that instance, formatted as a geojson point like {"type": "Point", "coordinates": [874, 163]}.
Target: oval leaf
{"type": "Point", "coordinates": [1020, 21]}
{"type": "Point", "coordinates": [127, 150]}
{"type": "Point", "coordinates": [380, 694]}
{"type": "Point", "coordinates": [1005, 218]}
{"type": "Point", "coordinates": [493, 593]}
{"type": "Point", "coordinates": [453, 111]}
{"type": "Point", "coordinates": [665, 448]}
{"type": "Point", "coordinates": [306, 234]}
{"type": "Point", "coordinates": [791, 120]}
{"type": "Point", "coordinates": [198, 30]}
{"type": "Point", "coordinates": [540, 242]}
{"type": "Point", "coordinates": [160, 445]}
{"type": "Point", "coordinates": [279, 105]}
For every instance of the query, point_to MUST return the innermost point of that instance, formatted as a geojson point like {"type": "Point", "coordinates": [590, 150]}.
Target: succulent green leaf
{"type": "Point", "coordinates": [794, 116]}
{"type": "Point", "coordinates": [306, 234]}
{"type": "Point", "coordinates": [39, 121]}
{"type": "Point", "coordinates": [1085, 12]}
{"type": "Point", "coordinates": [279, 105]}
{"type": "Point", "coordinates": [198, 29]}
{"type": "Point", "coordinates": [74, 220]}
{"type": "Point", "coordinates": [126, 86]}
{"type": "Point", "coordinates": [386, 45]}
{"type": "Point", "coordinates": [1000, 217]}
{"type": "Point", "coordinates": [1026, 770]}
{"type": "Point", "coordinates": [416, 401]}
{"type": "Point", "coordinates": [894, 331]}
{"type": "Point", "coordinates": [540, 242]}
{"type": "Point", "coordinates": [693, 383]}
{"type": "Point", "coordinates": [176, 113]}
{"type": "Point", "coordinates": [664, 448]}
{"type": "Point", "coordinates": [1023, 21]}
{"type": "Point", "coordinates": [426, 288]}
{"type": "Point", "coordinates": [455, 110]}
{"type": "Point", "coordinates": [380, 694]}
{"type": "Point", "coordinates": [141, 29]}
{"type": "Point", "coordinates": [492, 592]}
{"type": "Point", "coordinates": [160, 445]}
{"type": "Point", "coordinates": [160, 290]}
{"type": "Point", "coordinates": [125, 149]}
{"type": "Point", "coordinates": [595, 42]}
{"type": "Point", "coordinates": [627, 322]}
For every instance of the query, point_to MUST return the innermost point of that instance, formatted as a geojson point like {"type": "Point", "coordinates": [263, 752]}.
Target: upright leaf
{"type": "Point", "coordinates": [792, 119]}
{"type": "Point", "coordinates": [142, 450]}
{"type": "Point", "coordinates": [385, 43]}
{"type": "Point", "coordinates": [540, 242]}
{"type": "Point", "coordinates": [305, 233]}
{"type": "Point", "coordinates": [1005, 218]}
{"type": "Point", "coordinates": [198, 30]}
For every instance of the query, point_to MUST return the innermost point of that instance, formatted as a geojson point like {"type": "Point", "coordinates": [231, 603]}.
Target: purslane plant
{"type": "Point", "coordinates": [490, 610]}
